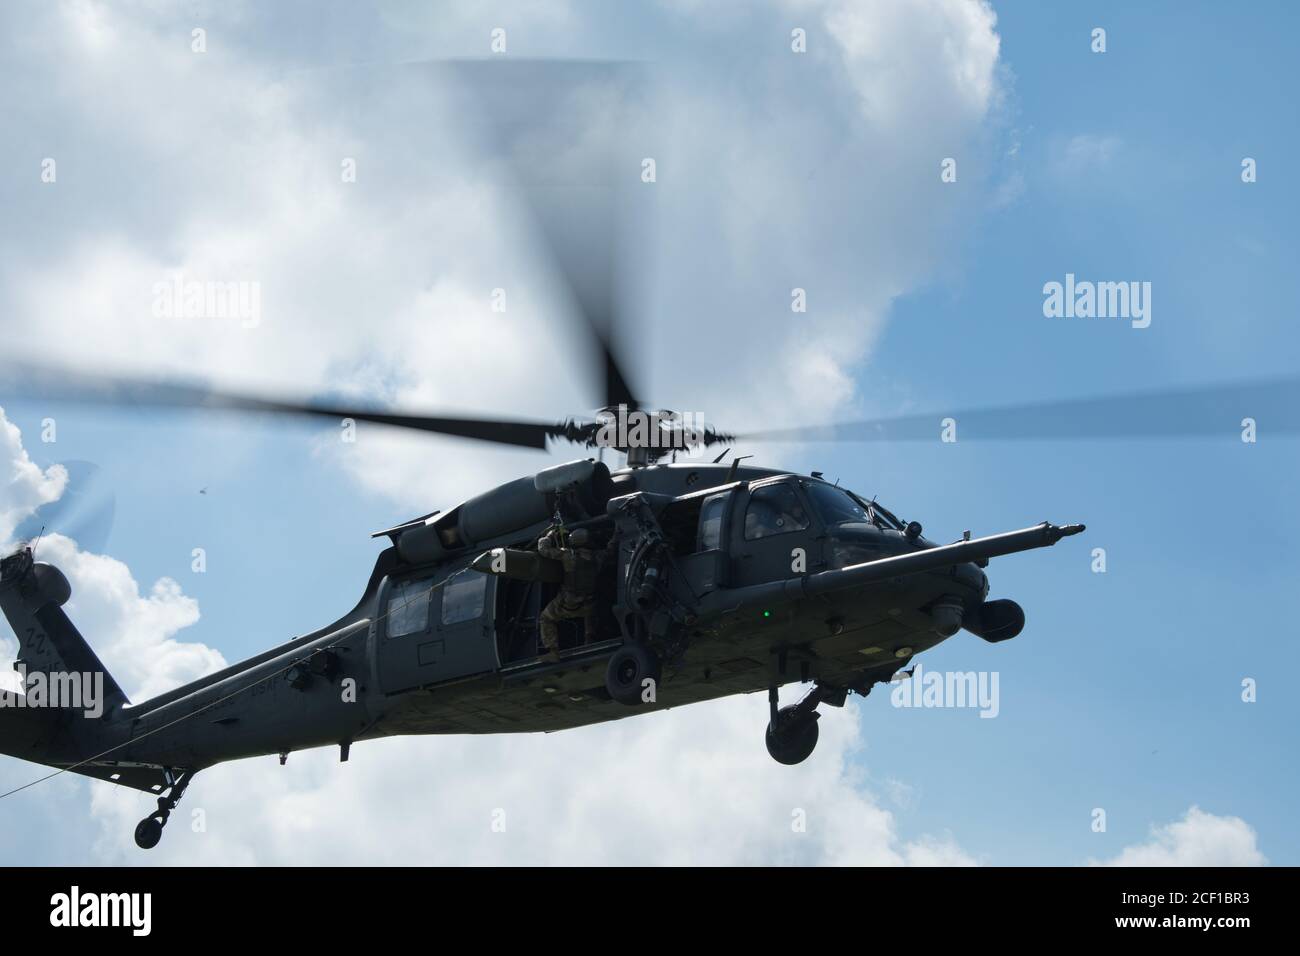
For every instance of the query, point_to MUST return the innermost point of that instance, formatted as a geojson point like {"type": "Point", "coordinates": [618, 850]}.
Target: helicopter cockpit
{"type": "Point", "coordinates": [858, 530]}
{"type": "Point", "coordinates": [774, 525]}
{"type": "Point", "coordinates": [836, 505]}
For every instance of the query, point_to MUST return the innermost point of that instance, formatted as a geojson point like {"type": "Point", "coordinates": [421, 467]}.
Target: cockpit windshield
{"type": "Point", "coordinates": [837, 506]}
{"type": "Point", "coordinates": [883, 517]}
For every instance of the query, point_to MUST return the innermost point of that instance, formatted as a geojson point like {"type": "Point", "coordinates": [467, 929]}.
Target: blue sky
{"type": "Point", "coordinates": [1124, 690]}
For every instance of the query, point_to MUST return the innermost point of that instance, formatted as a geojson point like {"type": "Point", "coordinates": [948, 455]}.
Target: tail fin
{"type": "Point", "coordinates": [52, 650]}
{"type": "Point", "coordinates": [32, 595]}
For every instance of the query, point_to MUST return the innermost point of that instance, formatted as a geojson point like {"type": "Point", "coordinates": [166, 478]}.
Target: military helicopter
{"type": "Point", "coordinates": [709, 578]}
{"type": "Point", "coordinates": [718, 579]}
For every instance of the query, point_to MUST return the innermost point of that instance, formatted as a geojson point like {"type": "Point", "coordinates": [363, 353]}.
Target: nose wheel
{"type": "Point", "coordinates": [149, 830]}
{"type": "Point", "coordinates": [792, 730]}
{"type": "Point", "coordinates": [792, 738]}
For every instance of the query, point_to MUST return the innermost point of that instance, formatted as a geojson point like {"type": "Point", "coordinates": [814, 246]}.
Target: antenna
{"type": "Point", "coordinates": [735, 466]}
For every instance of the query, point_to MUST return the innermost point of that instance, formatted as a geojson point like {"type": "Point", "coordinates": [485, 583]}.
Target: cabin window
{"type": "Point", "coordinates": [408, 606]}
{"type": "Point", "coordinates": [462, 597]}
{"type": "Point", "coordinates": [774, 509]}
{"type": "Point", "coordinates": [711, 522]}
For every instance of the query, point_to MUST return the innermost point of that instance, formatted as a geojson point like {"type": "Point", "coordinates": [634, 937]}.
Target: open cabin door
{"type": "Point", "coordinates": [702, 549]}
{"type": "Point", "coordinates": [437, 627]}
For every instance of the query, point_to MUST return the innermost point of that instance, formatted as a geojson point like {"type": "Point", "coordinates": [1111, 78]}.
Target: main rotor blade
{"type": "Point", "coordinates": [561, 127]}
{"type": "Point", "coordinates": [89, 388]}
{"type": "Point", "coordinates": [1273, 405]}
{"type": "Point", "coordinates": [84, 512]}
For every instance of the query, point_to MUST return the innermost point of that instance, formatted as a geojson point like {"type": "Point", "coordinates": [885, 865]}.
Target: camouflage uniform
{"type": "Point", "coordinates": [577, 596]}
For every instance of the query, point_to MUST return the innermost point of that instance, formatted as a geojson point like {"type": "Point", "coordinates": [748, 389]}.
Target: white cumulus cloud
{"type": "Point", "coordinates": [24, 486]}
{"type": "Point", "coordinates": [1198, 839]}
{"type": "Point", "coordinates": [133, 633]}
{"type": "Point", "coordinates": [776, 171]}
{"type": "Point", "coordinates": [688, 786]}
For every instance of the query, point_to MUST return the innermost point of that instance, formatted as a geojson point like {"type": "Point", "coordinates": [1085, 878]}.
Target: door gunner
{"type": "Point", "coordinates": [577, 597]}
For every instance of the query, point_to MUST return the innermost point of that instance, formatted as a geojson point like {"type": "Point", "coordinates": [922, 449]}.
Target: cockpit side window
{"type": "Point", "coordinates": [711, 521]}
{"type": "Point", "coordinates": [774, 509]}
{"type": "Point", "coordinates": [408, 606]}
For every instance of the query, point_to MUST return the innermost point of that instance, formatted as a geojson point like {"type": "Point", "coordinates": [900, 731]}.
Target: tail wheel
{"type": "Point", "coordinates": [629, 670]}
{"type": "Point", "coordinates": [148, 832]}
{"type": "Point", "coordinates": [793, 738]}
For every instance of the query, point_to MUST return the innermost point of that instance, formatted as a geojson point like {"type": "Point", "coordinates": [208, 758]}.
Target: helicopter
{"type": "Point", "coordinates": [711, 579]}
{"type": "Point", "coordinates": [708, 578]}
{"type": "Point", "coordinates": [716, 579]}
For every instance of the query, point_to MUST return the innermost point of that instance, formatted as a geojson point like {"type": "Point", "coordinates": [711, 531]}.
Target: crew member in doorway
{"type": "Point", "coordinates": [577, 597]}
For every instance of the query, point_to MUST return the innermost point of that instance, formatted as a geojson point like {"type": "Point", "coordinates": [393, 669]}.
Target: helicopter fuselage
{"type": "Point", "coordinates": [726, 579]}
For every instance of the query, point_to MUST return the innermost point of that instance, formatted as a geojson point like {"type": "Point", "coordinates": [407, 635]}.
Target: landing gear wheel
{"type": "Point", "coordinates": [629, 669]}
{"type": "Point", "coordinates": [794, 737]}
{"type": "Point", "coordinates": [148, 832]}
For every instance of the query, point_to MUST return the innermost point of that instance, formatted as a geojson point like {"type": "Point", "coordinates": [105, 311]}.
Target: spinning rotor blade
{"type": "Point", "coordinates": [555, 124]}
{"type": "Point", "coordinates": [74, 386]}
{"type": "Point", "coordinates": [562, 127]}
{"type": "Point", "coordinates": [84, 512]}
{"type": "Point", "coordinates": [1204, 411]}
